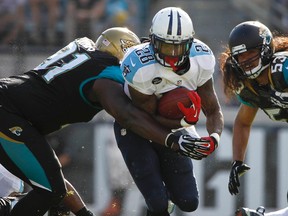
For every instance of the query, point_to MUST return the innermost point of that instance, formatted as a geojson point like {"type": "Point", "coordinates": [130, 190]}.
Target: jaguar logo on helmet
{"type": "Point", "coordinates": [265, 34]}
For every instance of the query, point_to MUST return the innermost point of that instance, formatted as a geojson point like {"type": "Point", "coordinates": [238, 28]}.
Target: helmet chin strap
{"type": "Point", "coordinates": [172, 61]}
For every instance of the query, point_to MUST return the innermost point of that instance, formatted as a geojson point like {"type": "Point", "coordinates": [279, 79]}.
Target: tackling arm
{"type": "Point", "coordinates": [148, 103]}
{"type": "Point", "coordinates": [116, 103]}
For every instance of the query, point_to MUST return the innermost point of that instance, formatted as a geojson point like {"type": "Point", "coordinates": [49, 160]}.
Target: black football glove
{"type": "Point", "coordinates": [238, 169]}
{"type": "Point", "coordinates": [187, 146]}
{"type": "Point", "coordinates": [5, 206]}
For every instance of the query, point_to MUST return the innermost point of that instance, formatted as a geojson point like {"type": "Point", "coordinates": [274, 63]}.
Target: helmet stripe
{"type": "Point", "coordinates": [179, 30]}
{"type": "Point", "coordinates": [169, 31]}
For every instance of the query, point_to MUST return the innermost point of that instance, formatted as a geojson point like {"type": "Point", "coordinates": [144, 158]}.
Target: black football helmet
{"type": "Point", "coordinates": [251, 35]}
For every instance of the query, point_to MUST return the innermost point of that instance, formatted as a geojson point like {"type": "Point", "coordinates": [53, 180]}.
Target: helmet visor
{"type": "Point", "coordinates": [171, 53]}
{"type": "Point", "coordinates": [172, 49]}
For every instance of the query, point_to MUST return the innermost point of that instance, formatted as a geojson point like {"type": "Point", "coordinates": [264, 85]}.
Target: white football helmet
{"type": "Point", "coordinates": [171, 35]}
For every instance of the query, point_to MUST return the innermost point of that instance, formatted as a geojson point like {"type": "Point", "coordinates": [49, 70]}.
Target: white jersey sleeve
{"type": "Point", "coordinates": [202, 56]}
{"type": "Point", "coordinates": [9, 183]}
{"type": "Point", "coordinates": [138, 68]}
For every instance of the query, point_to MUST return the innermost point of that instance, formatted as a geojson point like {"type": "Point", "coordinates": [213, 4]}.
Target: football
{"type": "Point", "coordinates": [167, 104]}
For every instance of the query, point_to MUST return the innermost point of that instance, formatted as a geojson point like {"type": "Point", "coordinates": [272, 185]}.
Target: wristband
{"type": "Point", "coordinates": [216, 137]}
{"type": "Point", "coordinates": [236, 163]}
{"type": "Point", "coordinates": [171, 142]}
{"type": "Point", "coordinates": [183, 123]}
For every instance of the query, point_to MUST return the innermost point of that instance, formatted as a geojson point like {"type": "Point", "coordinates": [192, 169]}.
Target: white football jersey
{"type": "Point", "coordinates": [9, 183]}
{"type": "Point", "coordinates": [142, 72]}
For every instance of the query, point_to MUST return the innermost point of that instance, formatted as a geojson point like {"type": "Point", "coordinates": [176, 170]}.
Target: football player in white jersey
{"type": "Point", "coordinates": [9, 183]}
{"type": "Point", "coordinates": [172, 58]}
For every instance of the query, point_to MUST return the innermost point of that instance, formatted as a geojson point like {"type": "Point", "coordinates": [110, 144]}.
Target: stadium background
{"type": "Point", "coordinates": [266, 183]}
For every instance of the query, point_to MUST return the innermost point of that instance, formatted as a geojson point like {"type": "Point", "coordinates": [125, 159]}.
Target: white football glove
{"type": "Point", "coordinates": [187, 146]}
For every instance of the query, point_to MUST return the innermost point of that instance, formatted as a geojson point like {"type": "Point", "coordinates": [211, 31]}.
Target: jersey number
{"type": "Point", "coordinates": [144, 55]}
{"type": "Point", "coordinates": [78, 59]}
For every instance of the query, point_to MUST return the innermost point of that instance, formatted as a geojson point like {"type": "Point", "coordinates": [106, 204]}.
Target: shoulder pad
{"type": "Point", "coordinates": [279, 71]}
{"type": "Point", "coordinates": [136, 61]}
{"type": "Point", "coordinates": [284, 53]}
{"type": "Point", "coordinates": [203, 55]}
{"type": "Point", "coordinates": [86, 43]}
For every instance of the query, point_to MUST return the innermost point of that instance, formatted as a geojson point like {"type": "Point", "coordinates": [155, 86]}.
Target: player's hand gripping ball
{"type": "Point", "coordinates": [167, 104]}
{"type": "Point", "coordinates": [191, 114]}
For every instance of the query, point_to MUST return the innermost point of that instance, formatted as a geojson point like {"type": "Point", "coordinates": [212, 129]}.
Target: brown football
{"type": "Point", "coordinates": [167, 104]}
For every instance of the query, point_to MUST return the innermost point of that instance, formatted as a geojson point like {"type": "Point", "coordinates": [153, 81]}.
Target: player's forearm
{"type": "Point", "coordinates": [215, 122]}
{"type": "Point", "coordinates": [144, 125]}
{"type": "Point", "coordinates": [240, 141]}
{"type": "Point", "coordinates": [72, 200]}
{"type": "Point", "coordinates": [168, 123]}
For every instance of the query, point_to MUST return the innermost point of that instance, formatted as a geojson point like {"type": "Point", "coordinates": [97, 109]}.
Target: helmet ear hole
{"type": "Point", "coordinates": [267, 55]}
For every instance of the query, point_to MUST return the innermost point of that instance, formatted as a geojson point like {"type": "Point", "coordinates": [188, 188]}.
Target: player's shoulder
{"type": "Point", "coordinates": [279, 57]}
{"type": "Point", "coordinates": [201, 54]}
{"type": "Point", "coordinates": [279, 62]}
{"type": "Point", "coordinates": [86, 43]}
{"type": "Point", "coordinates": [88, 46]}
{"type": "Point", "coordinates": [137, 61]}
{"type": "Point", "coordinates": [200, 48]}
{"type": "Point", "coordinates": [279, 70]}
{"type": "Point", "coordinates": [140, 54]}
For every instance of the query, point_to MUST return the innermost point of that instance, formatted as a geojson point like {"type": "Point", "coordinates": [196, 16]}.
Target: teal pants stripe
{"type": "Point", "coordinates": [26, 162]}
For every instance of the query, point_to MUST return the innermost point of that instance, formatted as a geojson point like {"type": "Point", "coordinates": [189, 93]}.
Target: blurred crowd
{"type": "Point", "coordinates": [56, 22]}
